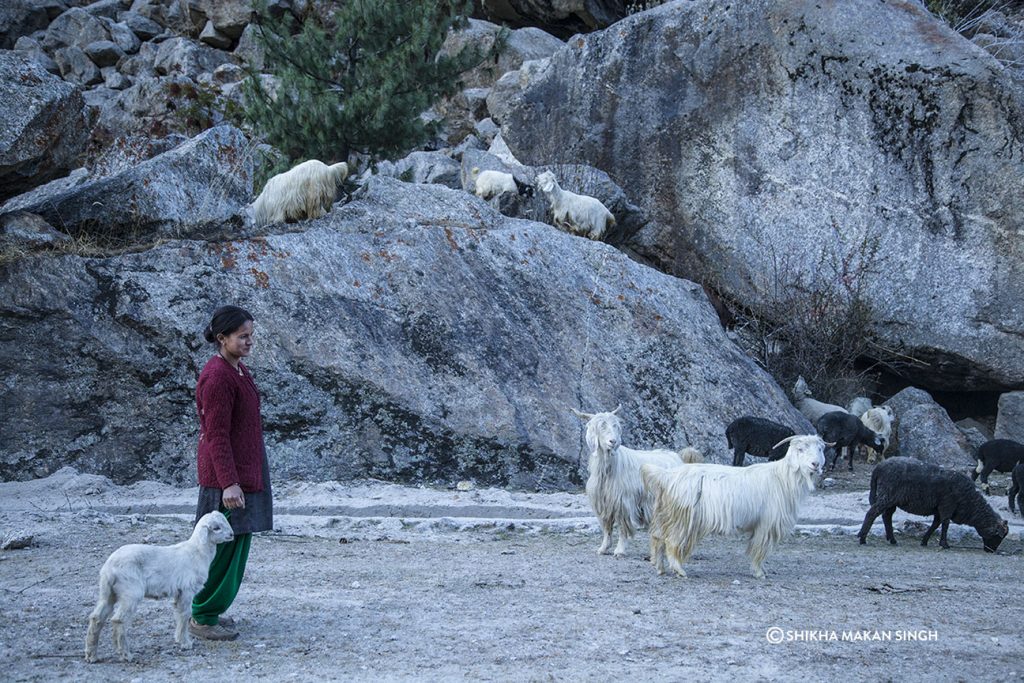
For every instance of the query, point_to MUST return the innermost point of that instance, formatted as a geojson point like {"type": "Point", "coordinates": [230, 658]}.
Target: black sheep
{"type": "Point", "coordinates": [757, 436]}
{"type": "Point", "coordinates": [1017, 489]}
{"type": "Point", "coordinates": [923, 489]}
{"type": "Point", "coordinates": [999, 455]}
{"type": "Point", "coordinates": [847, 431]}
{"type": "Point", "coordinates": [524, 189]}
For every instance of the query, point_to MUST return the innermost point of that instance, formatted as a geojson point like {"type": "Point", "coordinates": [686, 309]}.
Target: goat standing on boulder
{"type": "Point", "coordinates": [923, 489]}
{"type": "Point", "coordinates": [614, 488]}
{"type": "Point", "coordinates": [577, 213]}
{"type": "Point", "coordinates": [305, 191]}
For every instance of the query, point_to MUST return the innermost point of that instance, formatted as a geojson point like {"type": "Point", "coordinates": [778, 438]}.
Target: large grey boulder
{"type": "Point", "coordinates": [122, 35]}
{"type": "Point", "coordinates": [562, 18]}
{"type": "Point", "coordinates": [20, 18]}
{"type": "Point", "coordinates": [228, 17]}
{"type": "Point", "coordinates": [767, 138]}
{"type": "Point", "coordinates": [75, 66]}
{"type": "Point", "coordinates": [520, 45]}
{"type": "Point", "coordinates": [413, 335]}
{"type": "Point", "coordinates": [423, 167]}
{"type": "Point", "coordinates": [143, 28]}
{"type": "Point", "coordinates": [184, 57]}
{"type": "Point", "coordinates": [74, 27]}
{"type": "Point", "coordinates": [1010, 418]}
{"type": "Point", "coordinates": [43, 128]}
{"type": "Point", "coordinates": [108, 9]}
{"type": "Point", "coordinates": [188, 190]}
{"type": "Point", "coordinates": [925, 431]}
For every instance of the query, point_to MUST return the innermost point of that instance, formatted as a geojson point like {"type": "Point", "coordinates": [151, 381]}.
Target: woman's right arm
{"type": "Point", "coordinates": [218, 400]}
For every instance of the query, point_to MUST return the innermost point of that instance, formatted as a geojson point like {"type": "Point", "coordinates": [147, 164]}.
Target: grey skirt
{"type": "Point", "coordinates": [258, 513]}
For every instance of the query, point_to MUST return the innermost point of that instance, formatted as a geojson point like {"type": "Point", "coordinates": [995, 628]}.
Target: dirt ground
{"type": "Point", "coordinates": [388, 583]}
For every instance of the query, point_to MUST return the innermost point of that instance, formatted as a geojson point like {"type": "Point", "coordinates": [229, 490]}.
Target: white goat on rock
{"type": "Point", "coordinates": [578, 213]}
{"type": "Point", "coordinates": [136, 571]}
{"type": "Point", "coordinates": [305, 191]}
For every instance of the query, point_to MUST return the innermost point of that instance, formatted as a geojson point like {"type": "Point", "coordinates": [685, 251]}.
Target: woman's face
{"type": "Point", "coordinates": [238, 343]}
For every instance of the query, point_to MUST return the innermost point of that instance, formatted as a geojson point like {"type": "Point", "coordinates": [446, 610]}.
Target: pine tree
{"type": "Point", "coordinates": [358, 80]}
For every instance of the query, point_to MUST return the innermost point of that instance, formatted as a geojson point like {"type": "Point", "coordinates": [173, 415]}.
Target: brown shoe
{"type": "Point", "coordinates": [210, 632]}
{"type": "Point", "coordinates": [226, 622]}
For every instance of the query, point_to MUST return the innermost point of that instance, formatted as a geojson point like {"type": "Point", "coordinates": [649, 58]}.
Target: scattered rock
{"type": "Point", "coordinates": [1010, 418]}
{"type": "Point", "coordinates": [17, 541]}
{"type": "Point", "coordinates": [42, 121]}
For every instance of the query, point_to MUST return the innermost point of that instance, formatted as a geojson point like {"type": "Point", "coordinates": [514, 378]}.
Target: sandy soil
{"type": "Point", "coordinates": [380, 582]}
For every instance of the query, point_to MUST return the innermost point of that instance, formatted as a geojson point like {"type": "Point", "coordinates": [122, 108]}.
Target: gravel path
{"type": "Point", "coordinates": [329, 599]}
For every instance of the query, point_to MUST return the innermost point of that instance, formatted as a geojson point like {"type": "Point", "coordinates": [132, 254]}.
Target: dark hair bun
{"type": "Point", "coordinates": [226, 320]}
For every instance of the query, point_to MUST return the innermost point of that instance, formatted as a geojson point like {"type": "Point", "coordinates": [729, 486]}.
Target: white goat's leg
{"type": "Point", "coordinates": [122, 613]}
{"type": "Point", "coordinates": [658, 553]}
{"type": "Point", "coordinates": [182, 612]}
{"type": "Point", "coordinates": [683, 551]}
{"type": "Point", "coordinates": [672, 551]}
{"type": "Point", "coordinates": [624, 535]}
{"type": "Point", "coordinates": [757, 549]}
{"type": "Point", "coordinates": [606, 539]}
{"type": "Point", "coordinates": [97, 619]}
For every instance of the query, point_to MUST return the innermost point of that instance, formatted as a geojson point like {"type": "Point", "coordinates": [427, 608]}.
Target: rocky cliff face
{"type": "Point", "coordinates": [763, 137]}
{"type": "Point", "coordinates": [414, 335]}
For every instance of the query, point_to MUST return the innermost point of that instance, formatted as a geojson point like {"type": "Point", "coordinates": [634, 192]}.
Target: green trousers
{"type": "Point", "coordinates": [222, 584]}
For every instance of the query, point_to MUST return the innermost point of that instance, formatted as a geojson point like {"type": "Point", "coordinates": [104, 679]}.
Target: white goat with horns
{"type": "Point", "coordinates": [136, 571]}
{"type": "Point", "coordinates": [614, 487]}
{"type": "Point", "coordinates": [762, 500]}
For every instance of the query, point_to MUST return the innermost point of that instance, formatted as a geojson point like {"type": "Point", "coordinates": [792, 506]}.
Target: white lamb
{"type": "Point", "coordinates": [761, 499]}
{"type": "Point", "coordinates": [136, 571]}
{"type": "Point", "coordinates": [579, 214]}
{"type": "Point", "coordinates": [811, 408]}
{"type": "Point", "coordinates": [492, 183]}
{"type": "Point", "coordinates": [878, 419]}
{"type": "Point", "coordinates": [305, 191]}
{"type": "Point", "coordinates": [614, 488]}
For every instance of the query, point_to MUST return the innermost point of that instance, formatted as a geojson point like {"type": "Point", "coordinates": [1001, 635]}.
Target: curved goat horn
{"type": "Point", "coordinates": [582, 416]}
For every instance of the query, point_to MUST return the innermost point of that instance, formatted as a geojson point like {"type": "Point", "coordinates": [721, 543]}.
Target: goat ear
{"type": "Point", "coordinates": [583, 416]}
{"type": "Point", "coordinates": [617, 409]}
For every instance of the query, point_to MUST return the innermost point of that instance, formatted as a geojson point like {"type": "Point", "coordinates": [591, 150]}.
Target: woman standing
{"type": "Point", "coordinates": [234, 475]}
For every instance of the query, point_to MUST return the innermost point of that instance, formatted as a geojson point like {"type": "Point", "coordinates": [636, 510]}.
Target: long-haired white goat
{"type": "Point", "coordinates": [762, 500]}
{"type": "Point", "coordinates": [578, 213]}
{"type": "Point", "coordinates": [614, 487]}
{"type": "Point", "coordinates": [305, 191]}
{"type": "Point", "coordinates": [136, 571]}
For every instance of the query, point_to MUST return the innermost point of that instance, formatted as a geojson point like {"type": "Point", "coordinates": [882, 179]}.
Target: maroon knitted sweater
{"type": "Point", "coordinates": [230, 429]}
